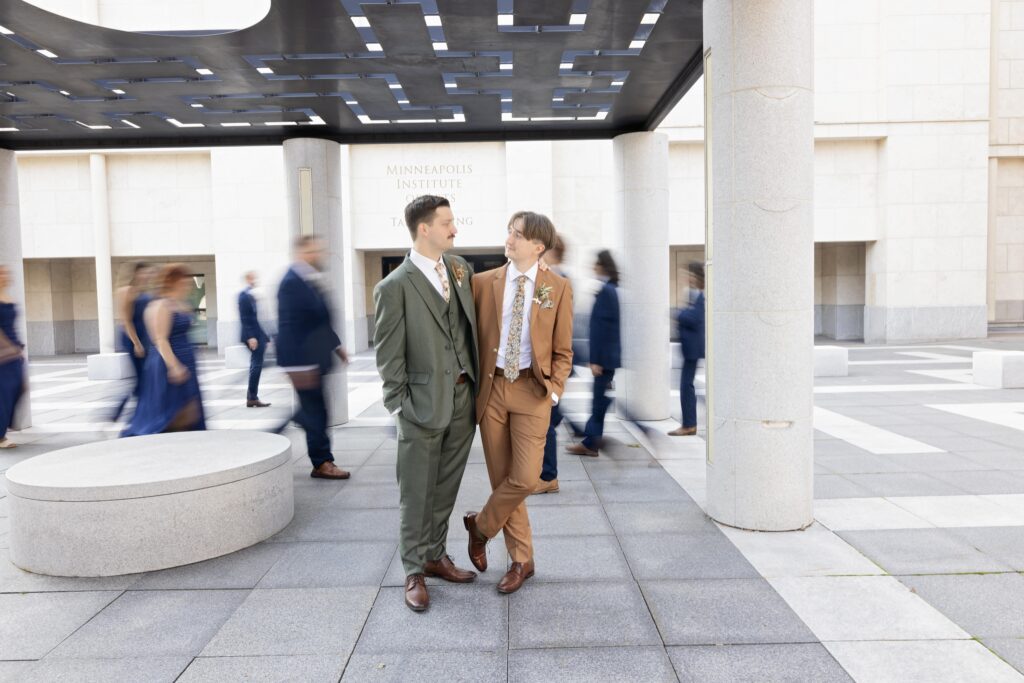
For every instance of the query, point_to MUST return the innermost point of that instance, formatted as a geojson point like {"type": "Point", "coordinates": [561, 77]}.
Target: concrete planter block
{"type": "Point", "coordinates": [149, 502]}
{"type": "Point", "coordinates": [236, 357]}
{"type": "Point", "coordinates": [999, 369]}
{"type": "Point", "coordinates": [110, 366]}
{"type": "Point", "coordinates": [831, 361]}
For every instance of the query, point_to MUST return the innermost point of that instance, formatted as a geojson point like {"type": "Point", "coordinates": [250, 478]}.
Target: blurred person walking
{"type": "Point", "coordinates": [605, 352]}
{"type": "Point", "coordinates": [524, 318]}
{"type": "Point", "coordinates": [690, 322]}
{"type": "Point", "coordinates": [132, 300]}
{"type": "Point", "coordinates": [12, 360]}
{"type": "Point", "coordinates": [549, 470]}
{"type": "Point", "coordinates": [306, 347]}
{"type": "Point", "coordinates": [425, 340]}
{"type": "Point", "coordinates": [169, 398]}
{"type": "Point", "coordinates": [253, 336]}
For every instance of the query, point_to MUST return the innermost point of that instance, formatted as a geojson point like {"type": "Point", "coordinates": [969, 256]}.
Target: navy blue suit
{"type": "Point", "coordinates": [606, 351]}
{"type": "Point", "coordinates": [690, 322]}
{"type": "Point", "coordinates": [251, 330]}
{"type": "Point", "coordinates": [305, 338]}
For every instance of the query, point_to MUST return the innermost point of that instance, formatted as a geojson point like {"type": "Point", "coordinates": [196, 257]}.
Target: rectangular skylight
{"type": "Point", "coordinates": [577, 19]}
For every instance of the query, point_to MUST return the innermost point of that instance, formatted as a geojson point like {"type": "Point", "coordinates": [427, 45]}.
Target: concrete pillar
{"type": "Point", "coordinates": [313, 184]}
{"type": "Point", "coordinates": [641, 220]}
{"type": "Point", "coordinates": [760, 129]}
{"type": "Point", "coordinates": [10, 256]}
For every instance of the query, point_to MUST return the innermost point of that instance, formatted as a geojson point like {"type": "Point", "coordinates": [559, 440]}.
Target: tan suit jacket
{"type": "Point", "coordinates": [550, 331]}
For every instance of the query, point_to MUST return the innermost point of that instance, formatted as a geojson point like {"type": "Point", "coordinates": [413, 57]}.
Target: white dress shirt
{"type": "Point", "coordinates": [525, 346]}
{"type": "Point", "coordinates": [429, 270]}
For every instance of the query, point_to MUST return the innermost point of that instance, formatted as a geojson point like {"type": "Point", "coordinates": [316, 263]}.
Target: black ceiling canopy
{"type": "Point", "coordinates": [351, 70]}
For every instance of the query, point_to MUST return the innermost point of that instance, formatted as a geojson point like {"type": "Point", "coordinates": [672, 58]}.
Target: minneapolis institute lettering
{"type": "Point", "coordinates": [446, 180]}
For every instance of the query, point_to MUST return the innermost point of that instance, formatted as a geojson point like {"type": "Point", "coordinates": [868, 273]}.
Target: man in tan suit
{"type": "Point", "coordinates": [524, 323]}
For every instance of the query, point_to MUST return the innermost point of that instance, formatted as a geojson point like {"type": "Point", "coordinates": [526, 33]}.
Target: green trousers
{"type": "Point", "coordinates": [431, 463]}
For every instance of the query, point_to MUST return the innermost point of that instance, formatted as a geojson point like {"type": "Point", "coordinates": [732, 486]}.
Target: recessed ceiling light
{"type": "Point", "coordinates": [264, 70]}
{"type": "Point", "coordinates": [86, 125]}
{"type": "Point", "coordinates": [450, 85]}
{"type": "Point", "coordinates": [506, 116]}
{"type": "Point", "coordinates": [279, 123]}
{"type": "Point", "coordinates": [65, 93]}
{"type": "Point", "coordinates": [505, 19]}
{"type": "Point", "coordinates": [196, 105]}
{"type": "Point", "coordinates": [577, 19]}
{"type": "Point", "coordinates": [650, 18]}
{"type": "Point", "coordinates": [403, 101]}
{"type": "Point", "coordinates": [637, 44]}
{"type": "Point", "coordinates": [601, 115]}
{"type": "Point", "coordinates": [361, 22]}
{"type": "Point", "coordinates": [374, 47]}
{"type": "Point", "coordinates": [7, 32]}
{"type": "Point", "coordinates": [204, 72]}
{"type": "Point", "coordinates": [47, 53]}
{"type": "Point", "coordinates": [129, 123]}
{"type": "Point", "coordinates": [395, 86]}
{"type": "Point", "coordinates": [236, 124]}
{"type": "Point", "coordinates": [440, 46]}
{"type": "Point", "coordinates": [179, 124]}
{"type": "Point", "coordinates": [617, 83]}
{"type": "Point", "coordinates": [565, 65]}
{"type": "Point", "coordinates": [432, 19]}
{"type": "Point", "coordinates": [8, 130]}
{"type": "Point", "coordinates": [505, 67]}
{"type": "Point", "coordinates": [559, 99]}
{"type": "Point", "coordinates": [117, 91]}
{"type": "Point", "coordinates": [506, 99]}
{"type": "Point", "coordinates": [316, 121]}
{"type": "Point", "coordinates": [351, 103]}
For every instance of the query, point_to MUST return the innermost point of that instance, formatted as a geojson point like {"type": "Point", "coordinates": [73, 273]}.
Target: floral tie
{"type": "Point", "coordinates": [445, 292]}
{"type": "Point", "coordinates": [515, 331]}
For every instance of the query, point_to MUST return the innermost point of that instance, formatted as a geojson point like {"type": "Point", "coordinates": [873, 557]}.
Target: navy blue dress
{"type": "Point", "coordinates": [164, 406]}
{"type": "Point", "coordinates": [12, 372]}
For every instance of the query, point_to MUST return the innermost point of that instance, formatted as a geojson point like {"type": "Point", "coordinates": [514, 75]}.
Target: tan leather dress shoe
{"type": "Point", "coordinates": [329, 470]}
{"type": "Point", "coordinates": [477, 544]}
{"type": "Point", "coordinates": [446, 569]}
{"type": "Point", "coordinates": [683, 431]}
{"type": "Point", "coordinates": [416, 597]}
{"type": "Point", "coordinates": [516, 576]}
{"type": "Point", "coordinates": [546, 487]}
{"type": "Point", "coordinates": [580, 449]}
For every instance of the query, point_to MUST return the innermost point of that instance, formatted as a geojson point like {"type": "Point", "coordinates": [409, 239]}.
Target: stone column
{"type": "Point", "coordinates": [641, 220]}
{"type": "Point", "coordinates": [760, 133]}
{"type": "Point", "coordinates": [10, 256]}
{"type": "Point", "coordinates": [106, 364]}
{"type": "Point", "coordinates": [313, 183]}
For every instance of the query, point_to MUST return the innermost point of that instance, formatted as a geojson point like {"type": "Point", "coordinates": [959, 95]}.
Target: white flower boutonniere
{"type": "Point", "coordinates": [460, 274]}
{"type": "Point", "coordinates": [543, 297]}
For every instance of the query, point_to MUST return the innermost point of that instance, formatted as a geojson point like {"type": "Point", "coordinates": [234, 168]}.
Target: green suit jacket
{"type": "Point", "coordinates": [412, 341]}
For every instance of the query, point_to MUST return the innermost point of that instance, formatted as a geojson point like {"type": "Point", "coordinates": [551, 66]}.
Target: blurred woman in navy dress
{"type": "Point", "coordinates": [132, 301]}
{"type": "Point", "coordinates": [169, 400]}
{"type": "Point", "coordinates": [12, 360]}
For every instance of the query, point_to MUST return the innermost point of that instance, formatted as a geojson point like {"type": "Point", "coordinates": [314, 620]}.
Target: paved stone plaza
{"type": "Point", "coordinates": [911, 573]}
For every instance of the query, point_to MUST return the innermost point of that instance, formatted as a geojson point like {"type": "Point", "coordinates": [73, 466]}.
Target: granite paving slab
{"type": "Point", "coordinates": [984, 605]}
{"type": "Point", "coordinates": [652, 518]}
{"type": "Point", "coordinates": [153, 623]}
{"type": "Point", "coordinates": [428, 667]}
{"type": "Point", "coordinates": [32, 624]}
{"type": "Point", "coordinates": [579, 559]}
{"type": "Point", "coordinates": [294, 621]}
{"type": "Point", "coordinates": [922, 551]}
{"type": "Point", "coordinates": [694, 555]}
{"type": "Point", "coordinates": [1010, 649]}
{"type": "Point", "coordinates": [135, 669]}
{"type": "Point", "coordinates": [558, 615]}
{"type": "Point", "coordinates": [242, 569]}
{"type": "Point", "coordinates": [1005, 543]}
{"type": "Point", "coordinates": [320, 564]}
{"type": "Point", "coordinates": [757, 663]}
{"type": "Point", "coordinates": [265, 669]}
{"type": "Point", "coordinates": [590, 665]}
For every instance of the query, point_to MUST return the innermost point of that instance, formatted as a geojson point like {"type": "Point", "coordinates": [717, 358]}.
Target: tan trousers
{"type": "Point", "coordinates": [514, 428]}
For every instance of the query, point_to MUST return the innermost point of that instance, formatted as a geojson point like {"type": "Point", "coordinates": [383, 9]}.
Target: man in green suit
{"type": "Point", "coordinates": [425, 340]}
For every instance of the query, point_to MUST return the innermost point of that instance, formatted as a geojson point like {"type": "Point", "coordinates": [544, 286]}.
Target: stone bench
{"type": "Point", "coordinates": [831, 361]}
{"type": "Point", "coordinates": [109, 366]}
{"type": "Point", "coordinates": [146, 503]}
{"type": "Point", "coordinates": [999, 369]}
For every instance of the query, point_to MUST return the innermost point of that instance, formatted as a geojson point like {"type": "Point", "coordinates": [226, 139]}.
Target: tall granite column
{"type": "Point", "coordinates": [760, 133]}
{"type": "Point", "coordinates": [10, 256]}
{"type": "Point", "coordinates": [313, 182]}
{"type": "Point", "coordinates": [641, 220]}
{"type": "Point", "coordinates": [101, 243]}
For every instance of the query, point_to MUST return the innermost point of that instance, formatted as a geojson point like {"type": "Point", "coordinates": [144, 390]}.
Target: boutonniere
{"type": "Point", "coordinates": [543, 297]}
{"type": "Point", "coordinates": [460, 273]}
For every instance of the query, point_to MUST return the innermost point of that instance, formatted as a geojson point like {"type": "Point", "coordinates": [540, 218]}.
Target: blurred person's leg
{"type": "Point", "coordinates": [687, 399]}
{"type": "Point", "coordinates": [593, 433]}
{"type": "Point", "coordinates": [255, 370]}
{"type": "Point", "coordinates": [549, 470]}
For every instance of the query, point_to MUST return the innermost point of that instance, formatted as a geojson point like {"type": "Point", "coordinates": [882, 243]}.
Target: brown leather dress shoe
{"type": "Point", "coordinates": [329, 470]}
{"type": "Point", "coordinates": [683, 431]}
{"type": "Point", "coordinates": [256, 404]}
{"type": "Point", "coordinates": [516, 576]}
{"type": "Point", "coordinates": [446, 569]}
{"type": "Point", "coordinates": [416, 597]}
{"type": "Point", "coordinates": [580, 449]}
{"type": "Point", "coordinates": [477, 543]}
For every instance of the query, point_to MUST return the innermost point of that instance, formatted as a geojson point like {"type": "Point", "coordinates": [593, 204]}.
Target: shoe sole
{"type": "Point", "coordinates": [416, 609]}
{"type": "Point", "coordinates": [314, 475]}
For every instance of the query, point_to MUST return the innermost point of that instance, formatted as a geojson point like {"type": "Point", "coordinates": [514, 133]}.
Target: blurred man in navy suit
{"type": "Point", "coordinates": [253, 336]}
{"type": "Point", "coordinates": [306, 347]}
{"type": "Point", "coordinates": [691, 337]}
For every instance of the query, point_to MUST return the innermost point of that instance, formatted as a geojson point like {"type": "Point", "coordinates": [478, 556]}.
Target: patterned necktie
{"type": "Point", "coordinates": [515, 331]}
{"type": "Point", "coordinates": [445, 292]}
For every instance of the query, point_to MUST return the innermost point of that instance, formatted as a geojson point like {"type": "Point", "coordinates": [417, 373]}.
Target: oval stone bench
{"type": "Point", "coordinates": [148, 502]}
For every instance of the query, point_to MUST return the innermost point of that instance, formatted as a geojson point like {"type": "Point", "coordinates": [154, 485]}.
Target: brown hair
{"type": "Point", "coordinates": [421, 210]}
{"type": "Point", "coordinates": [170, 275]}
{"type": "Point", "coordinates": [536, 226]}
{"type": "Point", "coordinates": [558, 248]}
{"type": "Point", "coordinates": [696, 269]}
{"type": "Point", "coordinates": [303, 241]}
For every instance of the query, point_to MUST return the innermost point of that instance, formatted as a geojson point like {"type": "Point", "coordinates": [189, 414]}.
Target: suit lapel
{"type": "Point", "coordinates": [461, 291]}
{"type": "Point", "coordinates": [535, 308]}
{"type": "Point", "coordinates": [426, 291]}
{"type": "Point", "coordinates": [498, 288]}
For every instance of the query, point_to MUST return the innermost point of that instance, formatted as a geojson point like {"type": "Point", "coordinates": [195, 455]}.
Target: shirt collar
{"type": "Point", "coordinates": [513, 272]}
{"type": "Point", "coordinates": [422, 261]}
